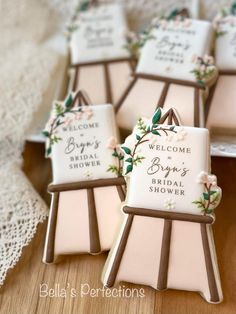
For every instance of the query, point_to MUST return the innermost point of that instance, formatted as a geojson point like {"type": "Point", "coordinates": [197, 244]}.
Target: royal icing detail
{"type": "Point", "coordinates": [225, 46]}
{"type": "Point", "coordinates": [161, 163]}
{"type": "Point", "coordinates": [170, 51]}
{"type": "Point", "coordinates": [77, 142]}
{"type": "Point", "coordinates": [99, 34]}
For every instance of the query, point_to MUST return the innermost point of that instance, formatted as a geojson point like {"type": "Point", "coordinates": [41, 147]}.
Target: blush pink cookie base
{"type": "Point", "coordinates": [91, 78]}
{"type": "Point", "coordinates": [222, 114]}
{"type": "Point", "coordinates": [72, 229]}
{"type": "Point", "coordinates": [140, 261]}
{"type": "Point", "coordinates": [143, 98]}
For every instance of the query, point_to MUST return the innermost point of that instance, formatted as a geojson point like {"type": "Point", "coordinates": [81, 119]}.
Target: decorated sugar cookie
{"type": "Point", "coordinates": [165, 240]}
{"type": "Point", "coordinates": [174, 67]}
{"type": "Point", "coordinates": [101, 63]}
{"type": "Point", "coordinates": [221, 108]}
{"type": "Point", "coordinates": [82, 142]}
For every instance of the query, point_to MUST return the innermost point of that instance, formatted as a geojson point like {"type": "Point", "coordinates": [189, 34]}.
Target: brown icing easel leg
{"type": "Point", "coordinates": [164, 92]}
{"type": "Point", "coordinates": [128, 89]}
{"type": "Point", "coordinates": [209, 99]}
{"type": "Point", "coordinates": [120, 251]}
{"type": "Point", "coordinates": [52, 222]}
{"type": "Point", "coordinates": [76, 79]}
{"type": "Point", "coordinates": [209, 266]}
{"type": "Point", "coordinates": [107, 84]}
{"type": "Point", "coordinates": [164, 259]}
{"type": "Point", "coordinates": [120, 192]}
{"type": "Point", "coordinates": [196, 107]}
{"type": "Point", "coordinates": [95, 246]}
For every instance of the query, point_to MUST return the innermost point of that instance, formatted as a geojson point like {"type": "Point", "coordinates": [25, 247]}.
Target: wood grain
{"type": "Point", "coordinates": [21, 291]}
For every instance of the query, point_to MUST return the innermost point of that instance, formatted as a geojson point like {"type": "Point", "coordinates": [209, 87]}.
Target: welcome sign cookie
{"type": "Point", "coordinates": [174, 67]}
{"type": "Point", "coordinates": [165, 240]}
{"type": "Point", "coordinates": [87, 183]}
{"type": "Point", "coordinates": [223, 128]}
{"type": "Point", "coordinates": [100, 62]}
{"type": "Point", "coordinates": [99, 34]}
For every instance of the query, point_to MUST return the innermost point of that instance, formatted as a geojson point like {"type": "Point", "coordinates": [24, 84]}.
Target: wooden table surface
{"type": "Point", "coordinates": [21, 291]}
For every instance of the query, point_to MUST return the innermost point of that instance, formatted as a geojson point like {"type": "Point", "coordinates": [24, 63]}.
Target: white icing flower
{"type": "Point", "coordinates": [180, 135]}
{"type": "Point", "coordinates": [112, 142]}
{"type": "Point", "coordinates": [212, 180]}
{"type": "Point", "coordinates": [88, 174]}
{"type": "Point", "coordinates": [202, 177]}
{"type": "Point", "coordinates": [205, 178]}
{"type": "Point", "coordinates": [169, 204]}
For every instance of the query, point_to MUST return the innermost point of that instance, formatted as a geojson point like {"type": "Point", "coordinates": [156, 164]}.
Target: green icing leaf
{"type": "Point", "coordinates": [155, 132]}
{"type": "Point", "coordinates": [69, 101]}
{"type": "Point", "coordinates": [49, 150]}
{"type": "Point", "coordinates": [206, 196]}
{"type": "Point", "coordinates": [129, 159]}
{"type": "Point", "coordinates": [129, 169]}
{"type": "Point", "coordinates": [138, 137]}
{"type": "Point", "coordinates": [126, 150]}
{"type": "Point", "coordinates": [45, 133]}
{"type": "Point", "coordinates": [157, 116]}
{"type": "Point", "coordinates": [212, 192]}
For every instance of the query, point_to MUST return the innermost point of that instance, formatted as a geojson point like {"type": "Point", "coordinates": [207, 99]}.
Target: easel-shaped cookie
{"type": "Point", "coordinates": [173, 69]}
{"type": "Point", "coordinates": [166, 238]}
{"type": "Point", "coordinates": [100, 63]}
{"type": "Point", "coordinates": [221, 109]}
{"type": "Point", "coordinates": [87, 186]}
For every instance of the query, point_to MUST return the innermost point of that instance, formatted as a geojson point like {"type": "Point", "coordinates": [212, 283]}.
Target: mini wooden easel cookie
{"type": "Point", "coordinates": [173, 69]}
{"type": "Point", "coordinates": [100, 63]}
{"type": "Point", "coordinates": [165, 240]}
{"type": "Point", "coordinates": [220, 107]}
{"type": "Point", "coordinates": [81, 141]}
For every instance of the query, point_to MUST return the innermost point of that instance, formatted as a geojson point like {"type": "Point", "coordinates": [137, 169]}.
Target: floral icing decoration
{"type": "Point", "coordinates": [135, 41]}
{"type": "Point", "coordinates": [227, 16]}
{"type": "Point", "coordinates": [141, 131]}
{"type": "Point", "coordinates": [212, 195]}
{"type": "Point", "coordinates": [169, 204]}
{"type": "Point", "coordinates": [63, 113]}
{"type": "Point", "coordinates": [74, 23]}
{"type": "Point", "coordinates": [117, 153]}
{"type": "Point", "coordinates": [205, 68]}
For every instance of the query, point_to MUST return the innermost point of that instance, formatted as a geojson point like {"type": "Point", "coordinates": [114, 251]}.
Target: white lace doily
{"type": "Point", "coordinates": [25, 69]}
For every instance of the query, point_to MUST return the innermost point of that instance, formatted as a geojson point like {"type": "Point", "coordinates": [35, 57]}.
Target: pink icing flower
{"type": "Point", "coordinates": [88, 112]}
{"type": "Point", "coordinates": [187, 22]}
{"type": "Point", "coordinates": [202, 68]}
{"type": "Point", "coordinates": [112, 142]}
{"type": "Point", "coordinates": [78, 115]}
{"type": "Point", "coordinates": [194, 58]}
{"type": "Point", "coordinates": [67, 121]}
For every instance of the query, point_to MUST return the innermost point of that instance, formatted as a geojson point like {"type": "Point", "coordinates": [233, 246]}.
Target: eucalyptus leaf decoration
{"type": "Point", "coordinates": [61, 111]}
{"type": "Point", "coordinates": [210, 197]}
{"type": "Point", "coordinates": [131, 157]}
